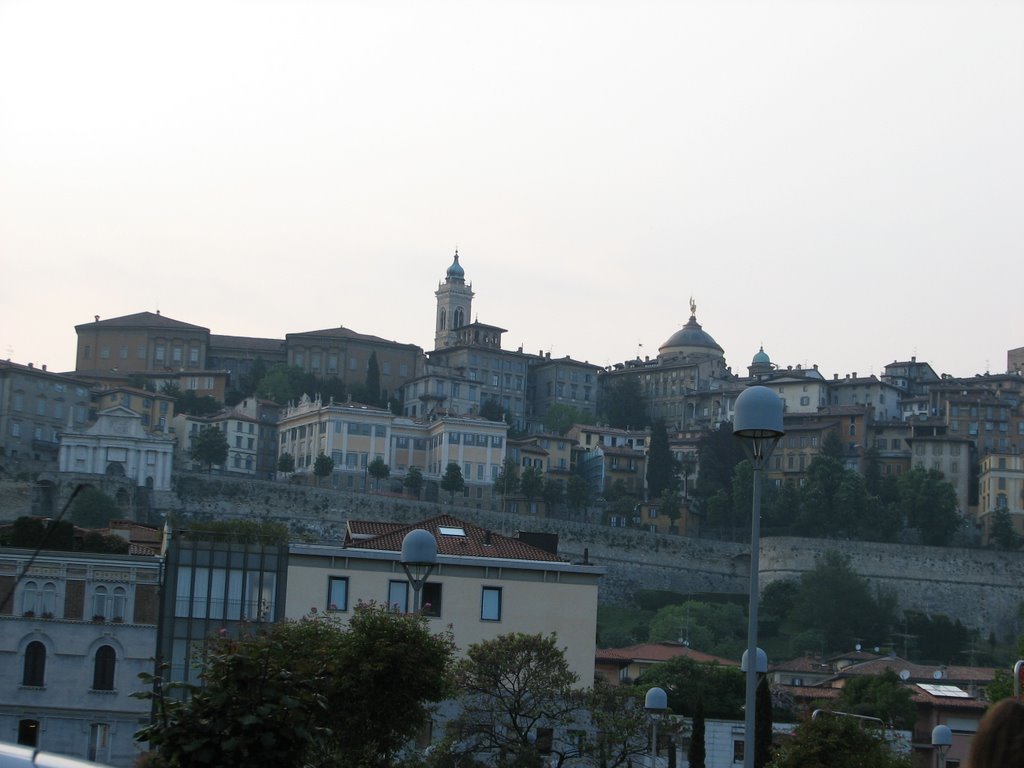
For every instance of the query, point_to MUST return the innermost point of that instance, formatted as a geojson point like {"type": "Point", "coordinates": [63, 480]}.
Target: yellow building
{"type": "Point", "coordinates": [1001, 487]}
{"type": "Point", "coordinates": [156, 409]}
{"type": "Point", "coordinates": [483, 586]}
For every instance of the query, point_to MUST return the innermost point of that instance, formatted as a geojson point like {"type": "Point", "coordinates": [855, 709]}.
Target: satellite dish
{"type": "Point", "coordinates": [937, 674]}
{"type": "Point", "coordinates": [904, 674]}
{"type": "Point", "coordinates": [857, 646]}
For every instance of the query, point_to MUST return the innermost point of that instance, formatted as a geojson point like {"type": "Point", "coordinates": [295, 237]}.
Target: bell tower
{"type": "Point", "coordinates": [454, 301]}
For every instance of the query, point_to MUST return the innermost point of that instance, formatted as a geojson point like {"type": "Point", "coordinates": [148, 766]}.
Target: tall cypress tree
{"type": "Point", "coordinates": [373, 380]}
{"type": "Point", "coordinates": [662, 469]}
{"type": "Point", "coordinates": [696, 754]}
{"type": "Point", "coordinates": [763, 726]}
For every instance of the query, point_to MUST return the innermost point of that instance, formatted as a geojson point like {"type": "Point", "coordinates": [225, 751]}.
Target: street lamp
{"type": "Point", "coordinates": [757, 422]}
{"type": "Point", "coordinates": [419, 556]}
{"type": "Point", "coordinates": [655, 702]}
{"type": "Point", "coordinates": [942, 740]}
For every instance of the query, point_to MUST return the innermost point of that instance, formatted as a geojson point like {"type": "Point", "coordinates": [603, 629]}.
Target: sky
{"type": "Point", "coordinates": [840, 181]}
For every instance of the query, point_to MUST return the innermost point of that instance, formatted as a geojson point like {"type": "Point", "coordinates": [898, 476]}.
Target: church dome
{"type": "Point", "coordinates": [456, 271]}
{"type": "Point", "coordinates": [691, 339]}
{"type": "Point", "coordinates": [761, 358]}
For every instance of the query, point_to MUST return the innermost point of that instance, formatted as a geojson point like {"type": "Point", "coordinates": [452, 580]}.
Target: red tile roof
{"type": "Point", "coordinates": [657, 652]}
{"type": "Point", "coordinates": [477, 541]}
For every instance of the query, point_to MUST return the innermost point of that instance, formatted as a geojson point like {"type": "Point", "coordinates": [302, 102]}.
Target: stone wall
{"type": "Point", "coordinates": [982, 588]}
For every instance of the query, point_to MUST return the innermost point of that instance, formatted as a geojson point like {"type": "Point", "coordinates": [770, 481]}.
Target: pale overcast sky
{"type": "Point", "coordinates": [842, 181]}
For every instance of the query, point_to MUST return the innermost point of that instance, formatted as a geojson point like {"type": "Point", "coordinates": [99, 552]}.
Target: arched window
{"type": "Point", "coordinates": [103, 671]}
{"type": "Point", "coordinates": [460, 318]}
{"type": "Point", "coordinates": [441, 319]}
{"type": "Point", "coordinates": [29, 596]}
{"type": "Point", "coordinates": [35, 665]}
{"type": "Point", "coordinates": [47, 599]}
{"type": "Point", "coordinates": [117, 603]}
{"type": "Point", "coordinates": [99, 602]}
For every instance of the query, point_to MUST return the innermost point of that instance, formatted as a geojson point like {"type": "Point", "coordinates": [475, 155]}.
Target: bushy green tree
{"type": "Point", "coordinates": [620, 724]}
{"type": "Point", "coordinates": [373, 381]}
{"type": "Point", "coordinates": [577, 494]}
{"type": "Point", "coordinates": [716, 628]}
{"type": "Point", "coordinates": [883, 696]}
{"type": "Point", "coordinates": [94, 509]}
{"type": "Point", "coordinates": [413, 481]}
{"type": "Point", "coordinates": [531, 483]}
{"type": "Point", "coordinates": [452, 480]}
{"type": "Point", "coordinates": [307, 693]}
{"type": "Point", "coordinates": [32, 532]}
{"type": "Point", "coordinates": [559, 418]}
{"type": "Point", "coordinates": [622, 403]}
{"type": "Point", "coordinates": [378, 471]}
{"type": "Point", "coordinates": [285, 462]}
{"type": "Point", "coordinates": [507, 481]}
{"type": "Point", "coordinates": [697, 753]}
{"type": "Point", "coordinates": [837, 742]}
{"type": "Point", "coordinates": [553, 493]}
{"type": "Point", "coordinates": [721, 689]}
{"type": "Point", "coordinates": [514, 684]}
{"type": "Point", "coordinates": [928, 503]}
{"type": "Point", "coordinates": [323, 466]}
{"type": "Point", "coordinates": [763, 724]}
{"type": "Point", "coordinates": [210, 447]}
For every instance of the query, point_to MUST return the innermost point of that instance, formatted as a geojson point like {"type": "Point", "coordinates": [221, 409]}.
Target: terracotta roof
{"type": "Point", "coordinates": [477, 541]}
{"type": "Point", "coordinates": [347, 333]}
{"type": "Point", "coordinates": [811, 664]}
{"type": "Point", "coordinates": [658, 652]}
{"type": "Point", "coordinates": [367, 529]}
{"type": "Point", "coordinates": [951, 675]}
{"type": "Point", "coordinates": [143, 320]}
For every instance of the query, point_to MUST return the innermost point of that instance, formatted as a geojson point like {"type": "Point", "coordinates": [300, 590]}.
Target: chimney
{"type": "Point", "coordinates": [855, 374]}
{"type": "Point", "coordinates": [97, 318]}
{"type": "Point", "coordinates": [835, 377]}
{"type": "Point", "coordinates": [44, 366]}
{"type": "Point", "coordinates": [31, 366]}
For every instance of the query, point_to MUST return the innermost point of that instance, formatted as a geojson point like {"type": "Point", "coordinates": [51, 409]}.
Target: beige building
{"type": "Point", "coordinates": [948, 454]}
{"type": "Point", "coordinates": [484, 585]}
{"type": "Point", "coordinates": [353, 435]}
{"type": "Point", "coordinates": [1001, 488]}
{"type": "Point", "coordinates": [139, 343]}
{"type": "Point", "coordinates": [155, 409]}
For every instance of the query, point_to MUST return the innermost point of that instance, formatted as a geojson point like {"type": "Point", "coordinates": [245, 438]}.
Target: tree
{"type": "Point", "coordinates": [623, 403]}
{"type": "Point", "coordinates": [323, 466]}
{"type": "Point", "coordinates": [32, 532]}
{"type": "Point", "coordinates": [94, 509]}
{"type": "Point", "coordinates": [619, 724]}
{"type": "Point", "coordinates": [697, 753]}
{"type": "Point", "coordinates": [373, 380]}
{"type": "Point", "coordinates": [196, 405]}
{"type": "Point", "coordinates": [832, 446]}
{"type": "Point", "coordinates": [285, 462]}
{"type": "Point", "coordinates": [210, 447]}
{"type": "Point", "coordinates": [719, 453]}
{"type": "Point", "coordinates": [762, 724]}
{"type": "Point", "coordinates": [837, 742]}
{"type": "Point", "coordinates": [531, 483]}
{"type": "Point", "coordinates": [553, 493]}
{"type": "Point", "coordinates": [928, 503]}
{"type": "Point", "coordinates": [721, 689]}
{"type": "Point", "coordinates": [452, 481]}
{"type": "Point", "coordinates": [1002, 535]}
{"type": "Point", "coordinates": [883, 696]}
{"type": "Point", "coordinates": [512, 685]}
{"type": "Point", "coordinates": [662, 468]}
{"type": "Point", "coordinates": [378, 471]}
{"type": "Point", "coordinates": [413, 482]}
{"type": "Point", "coordinates": [577, 493]}
{"type": "Point", "coordinates": [716, 628]}
{"type": "Point", "coordinates": [834, 600]}
{"type": "Point", "coordinates": [307, 692]}
{"type": "Point", "coordinates": [490, 409]}
{"type": "Point", "coordinates": [559, 418]}
{"type": "Point", "coordinates": [507, 482]}
{"type": "Point", "coordinates": [671, 505]}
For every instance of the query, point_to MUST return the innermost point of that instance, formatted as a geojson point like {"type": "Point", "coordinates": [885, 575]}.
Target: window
{"type": "Point", "coordinates": [398, 596]}
{"type": "Point", "coordinates": [39, 601]}
{"type": "Point", "coordinates": [99, 741]}
{"type": "Point", "coordinates": [109, 604]}
{"type": "Point", "coordinates": [103, 669]}
{"type": "Point", "coordinates": [490, 604]}
{"type": "Point", "coordinates": [431, 592]}
{"type": "Point", "coordinates": [337, 593]}
{"type": "Point", "coordinates": [34, 673]}
{"type": "Point", "coordinates": [737, 750]}
{"type": "Point", "coordinates": [28, 733]}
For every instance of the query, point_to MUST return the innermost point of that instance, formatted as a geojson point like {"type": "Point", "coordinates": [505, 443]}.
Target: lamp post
{"type": "Point", "coordinates": [655, 702]}
{"type": "Point", "coordinates": [757, 422]}
{"type": "Point", "coordinates": [419, 556]}
{"type": "Point", "coordinates": [942, 740]}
